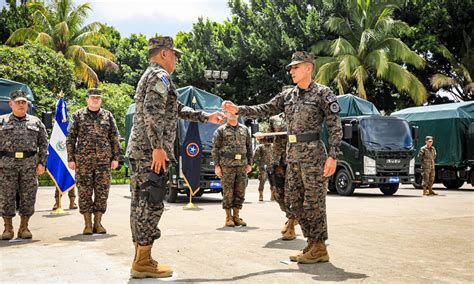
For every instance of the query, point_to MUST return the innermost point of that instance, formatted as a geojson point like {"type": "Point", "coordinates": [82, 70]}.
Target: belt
{"type": "Point", "coordinates": [232, 156]}
{"type": "Point", "coordinates": [17, 155]}
{"type": "Point", "coordinates": [295, 138]}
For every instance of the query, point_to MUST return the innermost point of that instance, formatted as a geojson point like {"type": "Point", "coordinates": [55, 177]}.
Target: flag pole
{"type": "Point", "coordinates": [59, 210]}
{"type": "Point", "coordinates": [190, 205]}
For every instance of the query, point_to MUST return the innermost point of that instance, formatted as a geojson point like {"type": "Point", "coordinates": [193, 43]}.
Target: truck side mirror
{"type": "Point", "coordinates": [254, 127]}
{"type": "Point", "coordinates": [415, 132]}
{"type": "Point", "coordinates": [47, 119]}
{"type": "Point", "coordinates": [347, 131]}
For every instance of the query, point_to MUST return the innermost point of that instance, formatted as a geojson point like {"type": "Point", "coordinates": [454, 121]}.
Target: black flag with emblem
{"type": "Point", "coordinates": [191, 157]}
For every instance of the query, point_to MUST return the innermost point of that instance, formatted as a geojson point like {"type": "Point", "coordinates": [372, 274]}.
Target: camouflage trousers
{"type": "Point", "coordinates": [305, 196]}
{"type": "Point", "coordinates": [428, 178]}
{"type": "Point", "coordinates": [279, 190]}
{"type": "Point", "coordinates": [262, 177]}
{"type": "Point", "coordinates": [18, 176]}
{"type": "Point", "coordinates": [234, 182]}
{"type": "Point", "coordinates": [144, 216]}
{"type": "Point", "coordinates": [93, 180]}
{"type": "Point", "coordinates": [70, 193]}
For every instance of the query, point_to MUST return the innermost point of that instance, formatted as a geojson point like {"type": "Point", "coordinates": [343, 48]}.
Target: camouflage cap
{"type": "Point", "coordinates": [94, 92]}
{"type": "Point", "coordinates": [162, 42]}
{"type": "Point", "coordinates": [18, 96]}
{"type": "Point", "coordinates": [300, 57]}
{"type": "Point", "coordinates": [429, 138]}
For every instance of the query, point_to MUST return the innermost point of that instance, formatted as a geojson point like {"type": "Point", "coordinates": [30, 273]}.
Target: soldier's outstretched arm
{"type": "Point", "coordinates": [273, 107]}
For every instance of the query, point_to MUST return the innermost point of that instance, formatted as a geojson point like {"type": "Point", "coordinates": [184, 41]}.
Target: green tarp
{"type": "Point", "coordinates": [204, 100]}
{"type": "Point", "coordinates": [448, 124]}
{"type": "Point", "coordinates": [354, 106]}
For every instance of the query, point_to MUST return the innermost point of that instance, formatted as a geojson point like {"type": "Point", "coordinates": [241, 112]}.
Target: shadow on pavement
{"type": "Point", "coordinates": [321, 271]}
{"type": "Point", "coordinates": [374, 195]}
{"type": "Point", "coordinates": [238, 229]}
{"type": "Point", "coordinates": [17, 242]}
{"type": "Point", "coordinates": [87, 238]}
{"type": "Point", "coordinates": [296, 244]}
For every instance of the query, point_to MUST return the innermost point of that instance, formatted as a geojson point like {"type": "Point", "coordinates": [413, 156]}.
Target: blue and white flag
{"type": "Point", "coordinates": [56, 165]}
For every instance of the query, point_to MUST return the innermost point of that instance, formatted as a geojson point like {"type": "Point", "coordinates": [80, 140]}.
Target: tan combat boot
{"type": "Point", "coordinates": [260, 196]}
{"type": "Point", "coordinates": [289, 233]}
{"type": "Point", "coordinates": [272, 193]}
{"type": "Point", "coordinates": [23, 232]}
{"type": "Point", "coordinates": [300, 253]}
{"type": "Point", "coordinates": [229, 222]}
{"type": "Point", "coordinates": [143, 265]}
{"type": "Point", "coordinates": [237, 220]}
{"type": "Point", "coordinates": [8, 232]}
{"type": "Point", "coordinates": [98, 228]}
{"type": "Point", "coordinates": [88, 224]}
{"type": "Point", "coordinates": [135, 245]}
{"type": "Point", "coordinates": [425, 191]}
{"type": "Point", "coordinates": [72, 203]}
{"type": "Point", "coordinates": [56, 204]}
{"type": "Point", "coordinates": [316, 253]}
{"type": "Point", "coordinates": [431, 192]}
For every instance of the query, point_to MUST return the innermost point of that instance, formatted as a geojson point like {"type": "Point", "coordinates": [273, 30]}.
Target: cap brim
{"type": "Point", "coordinates": [20, 99]}
{"type": "Point", "coordinates": [177, 50]}
{"type": "Point", "coordinates": [94, 96]}
{"type": "Point", "coordinates": [294, 63]}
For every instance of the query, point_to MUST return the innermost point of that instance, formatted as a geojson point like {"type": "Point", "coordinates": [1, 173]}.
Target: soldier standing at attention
{"type": "Point", "coordinates": [306, 107]}
{"type": "Point", "coordinates": [151, 149]}
{"type": "Point", "coordinates": [93, 149]}
{"type": "Point", "coordinates": [262, 157]}
{"type": "Point", "coordinates": [23, 153]}
{"type": "Point", "coordinates": [232, 156]}
{"type": "Point", "coordinates": [427, 157]}
{"type": "Point", "coordinates": [277, 123]}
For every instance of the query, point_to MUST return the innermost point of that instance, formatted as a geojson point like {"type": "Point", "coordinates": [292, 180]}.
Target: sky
{"type": "Point", "coordinates": [165, 17]}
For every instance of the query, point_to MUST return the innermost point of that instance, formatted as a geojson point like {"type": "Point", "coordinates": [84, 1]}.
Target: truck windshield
{"type": "Point", "coordinates": [386, 134]}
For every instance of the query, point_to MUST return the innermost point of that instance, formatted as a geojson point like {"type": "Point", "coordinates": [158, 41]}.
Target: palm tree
{"type": "Point", "coordinates": [459, 81]}
{"type": "Point", "coordinates": [368, 43]}
{"type": "Point", "coordinates": [59, 25]}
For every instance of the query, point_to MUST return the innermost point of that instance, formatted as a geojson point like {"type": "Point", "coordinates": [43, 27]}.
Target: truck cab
{"type": "Point", "coordinates": [376, 151]}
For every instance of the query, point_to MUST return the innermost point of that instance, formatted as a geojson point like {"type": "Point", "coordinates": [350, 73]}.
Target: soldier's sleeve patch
{"type": "Point", "coordinates": [331, 98]}
{"type": "Point", "coordinates": [160, 87]}
{"type": "Point", "coordinates": [334, 107]}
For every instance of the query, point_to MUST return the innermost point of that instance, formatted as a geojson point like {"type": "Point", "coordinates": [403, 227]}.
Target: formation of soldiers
{"type": "Point", "coordinates": [298, 167]}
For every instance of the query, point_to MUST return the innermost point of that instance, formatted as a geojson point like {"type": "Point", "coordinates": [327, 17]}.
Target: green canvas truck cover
{"type": "Point", "coordinates": [354, 106]}
{"type": "Point", "coordinates": [448, 124]}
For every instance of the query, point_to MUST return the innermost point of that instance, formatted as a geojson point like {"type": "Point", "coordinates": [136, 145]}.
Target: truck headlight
{"type": "Point", "coordinates": [411, 169]}
{"type": "Point", "coordinates": [369, 166]}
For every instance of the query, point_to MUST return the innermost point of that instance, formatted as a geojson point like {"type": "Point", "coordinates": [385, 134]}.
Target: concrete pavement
{"type": "Point", "coordinates": [372, 238]}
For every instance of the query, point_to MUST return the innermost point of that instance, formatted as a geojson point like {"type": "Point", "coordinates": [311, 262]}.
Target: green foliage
{"type": "Point", "coordinates": [46, 72]}
{"type": "Point", "coordinates": [369, 43]}
{"type": "Point", "coordinates": [59, 26]}
{"type": "Point", "coordinates": [13, 17]}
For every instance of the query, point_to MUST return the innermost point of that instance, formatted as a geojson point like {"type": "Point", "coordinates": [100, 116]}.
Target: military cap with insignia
{"type": "Point", "coordinates": [94, 92]}
{"type": "Point", "coordinates": [300, 57]}
{"type": "Point", "coordinates": [18, 96]}
{"type": "Point", "coordinates": [163, 42]}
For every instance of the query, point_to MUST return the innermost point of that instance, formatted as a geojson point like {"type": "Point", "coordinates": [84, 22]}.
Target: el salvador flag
{"type": "Point", "coordinates": [56, 165]}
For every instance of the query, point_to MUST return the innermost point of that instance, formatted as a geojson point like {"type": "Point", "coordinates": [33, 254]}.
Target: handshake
{"type": "Point", "coordinates": [229, 109]}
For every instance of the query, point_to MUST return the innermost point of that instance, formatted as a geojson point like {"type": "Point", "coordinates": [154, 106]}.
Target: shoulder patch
{"type": "Point", "coordinates": [160, 87]}
{"type": "Point", "coordinates": [331, 98]}
{"type": "Point", "coordinates": [334, 107]}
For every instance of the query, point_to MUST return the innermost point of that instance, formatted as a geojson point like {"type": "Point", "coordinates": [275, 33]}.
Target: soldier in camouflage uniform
{"type": "Point", "coordinates": [262, 157]}
{"type": "Point", "coordinates": [232, 156]}
{"type": "Point", "coordinates": [23, 153]}
{"type": "Point", "coordinates": [278, 124]}
{"type": "Point", "coordinates": [151, 149]}
{"type": "Point", "coordinates": [93, 149]}
{"type": "Point", "coordinates": [306, 107]}
{"type": "Point", "coordinates": [427, 157]}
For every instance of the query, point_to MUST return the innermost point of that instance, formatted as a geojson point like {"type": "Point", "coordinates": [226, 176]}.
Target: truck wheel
{"type": "Point", "coordinates": [389, 189]}
{"type": "Point", "coordinates": [453, 183]}
{"type": "Point", "coordinates": [343, 183]}
{"type": "Point", "coordinates": [417, 183]}
{"type": "Point", "coordinates": [171, 194]}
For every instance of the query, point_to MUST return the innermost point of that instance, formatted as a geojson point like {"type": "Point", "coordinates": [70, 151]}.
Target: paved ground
{"type": "Point", "coordinates": [372, 238]}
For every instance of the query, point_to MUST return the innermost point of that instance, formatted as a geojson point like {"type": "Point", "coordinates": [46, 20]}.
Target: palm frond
{"type": "Point", "coordinates": [360, 74]}
{"type": "Point", "coordinates": [89, 38]}
{"type": "Point", "coordinates": [338, 25]}
{"type": "Point", "coordinates": [76, 53]}
{"type": "Point", "coordinates": [98, 62]}
{"type": "Point", "coordinates": [439, 81]}
{"type": "Point", "coordinates": [322, 47]}
{"type": "Point", "coordinates": [398, 50]}
{"type": "Point", "coordinates": [21, 35]}
{"type": "Point", "coordinates": [327, 73]}
{"type": "Point", "coordinates": [378, 61]}
{"type": "Point", "coordinates": [45, 39]}
{"type": "Point", "coordinates": [62, 30]}
{"type": "Point", "coordinates": [86, 74]}
{"type": "Point", "coordinates": [405, 81]}
{"type": "Point", "coordinates": [341, 46]}
{"type": "Point", "coordinates": [99, 51]}
{"type": "Point", "coordinates": [348, 64]}
{"type": "Point", "coordinates": [321, 60]}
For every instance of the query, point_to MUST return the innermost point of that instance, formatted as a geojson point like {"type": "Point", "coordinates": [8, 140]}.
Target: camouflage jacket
{"type": "Point", "coordinates": [156, 113]}
{"type": "Point", "coordinates": [277, 123]}
{"type": "Point", "coordinates": [305, 112]}
{"type": "Point", "coordinates": [27, 134]}
{"type": "Point", "coordinates": [427, 157]}
{"type": "Point", "coordinates": [92, 138]}
{"type": "Point", "coordinates": [232, 146]}
{"type": "Point", "coordinates": [263, 155]}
